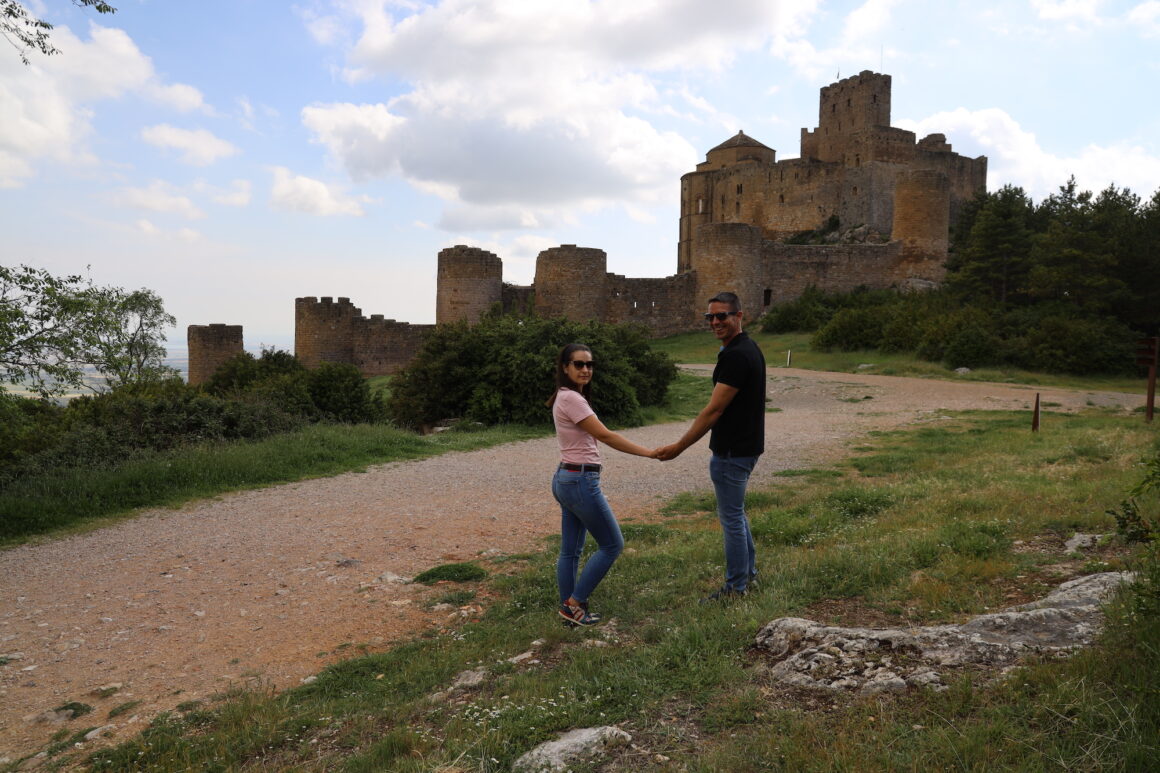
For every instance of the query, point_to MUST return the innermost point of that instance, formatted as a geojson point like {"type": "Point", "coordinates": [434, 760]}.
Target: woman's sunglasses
{"type": "Point", "coordinates": [720, 316]}
{"type": "Point", "coordinates": [582, 364]}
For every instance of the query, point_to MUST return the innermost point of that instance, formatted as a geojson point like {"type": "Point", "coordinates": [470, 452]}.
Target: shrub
{"type": "Point", "coordinates": [340, 393]}
{"type": "Point", "coordinates": [501, 371]}
{"type": "Point", "coordinates": [852, 329]}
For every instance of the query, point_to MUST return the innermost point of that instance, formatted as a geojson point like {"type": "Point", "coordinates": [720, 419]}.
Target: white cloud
{"type": "Point", "coordinates": [186, 235]}
{"type": "Point", "coordinates": [295, 193]}
{"type": "Point", "coordinates": [46, 107]}
{"type": "Point", "coordinates": [1068, 10]}
{"type": "Point", "coordinates": [197, 146]}
{"type": "Point", "coordinates": [1145, 17]}
{"type": "Point", "coordinates": [159, 196]}
{"type": "Point", "coordinates": [1015, 156]}
{"type": "Point", "coordinates": [178, 96]}
{"type": "Point", "coordinates": [868, 20]}
{"type": "Point", "coordinates": [237, 195]}
{"type": "Point", "coordinates": [520, 111]}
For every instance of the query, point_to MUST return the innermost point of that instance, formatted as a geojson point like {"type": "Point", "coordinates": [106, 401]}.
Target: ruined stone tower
{"type": "Point", "coordinates": [210, 346]}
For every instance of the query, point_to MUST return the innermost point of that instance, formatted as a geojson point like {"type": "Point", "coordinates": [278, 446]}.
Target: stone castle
{"type": "Point", "coordinates": [885, 199]}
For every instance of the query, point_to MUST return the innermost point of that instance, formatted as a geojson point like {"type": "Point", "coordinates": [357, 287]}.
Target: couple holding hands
{"type": "Point", "coordinates": [735, 415]}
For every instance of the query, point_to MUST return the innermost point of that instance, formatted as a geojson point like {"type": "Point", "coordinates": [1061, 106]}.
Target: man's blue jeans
{"type": "Point", "coordinates": [730, 476]}
{"type": "Point", "coordinates": [583, 510]}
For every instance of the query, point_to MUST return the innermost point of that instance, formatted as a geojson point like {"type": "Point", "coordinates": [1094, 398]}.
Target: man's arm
{"type": "Point", "coordinates": [723, 394]}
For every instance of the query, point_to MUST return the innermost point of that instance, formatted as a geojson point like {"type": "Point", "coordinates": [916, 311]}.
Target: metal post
{"type": "Point", "coordinates": [788, 357]}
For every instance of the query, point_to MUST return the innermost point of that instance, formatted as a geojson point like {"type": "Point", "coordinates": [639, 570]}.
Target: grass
{"type": "Point", "coordinates": [924, 526]}
{"type": "Point", "coordinates": [690, 348]}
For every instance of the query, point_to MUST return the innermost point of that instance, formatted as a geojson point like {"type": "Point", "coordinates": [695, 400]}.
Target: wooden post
{"type": "Point", "coordinates": [1148, 354]}
{"type": "Point", "coordinates": [1035, 415]}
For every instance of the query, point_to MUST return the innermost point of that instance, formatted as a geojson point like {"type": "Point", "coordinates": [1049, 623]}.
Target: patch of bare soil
{"type": "Point", "coordinates": [269, 586]}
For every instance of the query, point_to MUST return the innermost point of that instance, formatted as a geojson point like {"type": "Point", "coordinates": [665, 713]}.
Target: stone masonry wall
{"type": "Point", "coordinates": [470, 280]}
{"type": "Point", "coordinates": [210, 346]}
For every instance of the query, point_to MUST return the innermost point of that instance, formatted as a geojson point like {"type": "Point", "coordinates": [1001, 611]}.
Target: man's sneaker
{"type": "Point", "coordinates": [724, 593]}
{"type": "Point", "coordinates": [577, 615]}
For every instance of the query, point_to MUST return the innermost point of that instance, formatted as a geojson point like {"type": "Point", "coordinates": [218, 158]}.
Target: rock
{"type": "Point", "coordinates": [962, 371]}
{"type": "Point", "coordinates": [1081, 542]}
{"type": "Point", "coordinates": [573, 747]}
{"type": "Point", "coordinates": [391, 577]}
{"type": "Point", "coordinates": [97, 732]}
{"type": "Point", "coordinates": [811, 655]}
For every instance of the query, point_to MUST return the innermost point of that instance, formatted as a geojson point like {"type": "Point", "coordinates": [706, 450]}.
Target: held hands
{"type": "Point", "coordinates": [668, 453]}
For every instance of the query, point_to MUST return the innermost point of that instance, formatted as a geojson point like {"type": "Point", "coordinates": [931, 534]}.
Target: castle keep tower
{"type": "Point", "coordinates": [470, 280]}
{"type": "Point", "coordinates": [211, 346]}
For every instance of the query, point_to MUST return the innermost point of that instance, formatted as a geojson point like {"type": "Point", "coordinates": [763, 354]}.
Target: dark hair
{"type": "Point", "coordinates": [729, 298]}
{"type": "Point", "coordinates": [562, 380]}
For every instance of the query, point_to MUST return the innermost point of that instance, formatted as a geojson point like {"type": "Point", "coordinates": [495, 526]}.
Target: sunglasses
{"type": "Point", "coordinates": [720, 316]}
{"type": "Point", "coordinates": [582, 364]}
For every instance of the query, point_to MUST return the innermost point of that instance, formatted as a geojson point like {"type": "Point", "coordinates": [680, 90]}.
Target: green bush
{"type": "Point", "coordinates": [1079, 346]}
{"type": "Point", "coordinates": [340, 394]}
{"type": "Point", "coordinates": [501, 371]}
{"type": "Point", "coordinates": [852, 329]}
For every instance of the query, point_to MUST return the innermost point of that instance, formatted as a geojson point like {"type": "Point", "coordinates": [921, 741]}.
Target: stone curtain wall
{"type": "Point", "coordinates": [665, 306]}
{"type": "Point", "coordinates": [210, 346]}
{"type": "Point", "coordinates": [326, 331]}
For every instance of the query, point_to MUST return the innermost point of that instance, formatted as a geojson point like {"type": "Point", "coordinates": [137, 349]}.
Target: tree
{"type": "Point", "coordinates": [51, 328]}
{"type": "Point", "coordinates": [24, 31]}
{"type": "Point", "coordinates": [992, 262]}
{"type": "Point", "coordinates": [40, 320]}
{"type": "Point", "coordinates": [125, 334]}
{"type": "Point", "coordinates": [1074, 263]}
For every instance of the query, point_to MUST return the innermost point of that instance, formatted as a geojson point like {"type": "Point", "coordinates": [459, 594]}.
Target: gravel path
{"type": "Point", "coordinates": [268, 586]}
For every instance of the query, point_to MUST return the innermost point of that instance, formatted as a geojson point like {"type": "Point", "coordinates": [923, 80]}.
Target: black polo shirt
{"type": "Point", "coordinates": [741, 429]}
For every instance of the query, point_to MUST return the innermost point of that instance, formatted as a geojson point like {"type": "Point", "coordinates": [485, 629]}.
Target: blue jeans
{"type": "Point", "coordinates": [730, 475]}
{"type": "Point", "coordinates": [583, 510]}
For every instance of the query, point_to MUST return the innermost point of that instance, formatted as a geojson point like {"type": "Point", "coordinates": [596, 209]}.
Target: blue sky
{"type": "Point", "coordinates": [233, 155]}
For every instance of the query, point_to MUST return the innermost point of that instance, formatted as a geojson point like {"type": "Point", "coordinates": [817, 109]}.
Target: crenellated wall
{"type": "Point", "coordinates": [329, 331]}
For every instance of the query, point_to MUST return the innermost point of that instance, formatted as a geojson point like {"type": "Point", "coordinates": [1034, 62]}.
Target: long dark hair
{"type": "Point", "coordinates": [562, 380]}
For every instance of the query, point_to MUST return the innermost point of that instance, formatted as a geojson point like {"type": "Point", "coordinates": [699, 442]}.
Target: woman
{"type": "Point", "coordinates": [576, 485]}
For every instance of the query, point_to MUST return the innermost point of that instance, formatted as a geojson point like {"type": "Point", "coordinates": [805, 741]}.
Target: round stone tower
{"type": "Point", "coordinates": [210, 346]}
{"type": "Point", "coordinates": [571, 282]}
{"type": "Point", "coordinates": [922, 206]}
{"type": "Point", "coordinates": [469, 281]}
{"type": "Point", "coordinates": [727, 256]}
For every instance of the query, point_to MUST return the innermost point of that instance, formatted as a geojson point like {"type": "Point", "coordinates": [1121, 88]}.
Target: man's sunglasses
{"type": "Point", "coordinates": [720, 316]}
{"type": "Point", "coordinates": [582, 364]}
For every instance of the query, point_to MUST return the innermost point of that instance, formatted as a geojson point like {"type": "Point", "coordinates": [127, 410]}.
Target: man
{"type": "Point", "coordinates": [736, 415]}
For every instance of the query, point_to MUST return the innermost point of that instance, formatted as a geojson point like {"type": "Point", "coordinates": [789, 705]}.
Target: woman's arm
{"type": "Point", "coordinates": [596, 429]}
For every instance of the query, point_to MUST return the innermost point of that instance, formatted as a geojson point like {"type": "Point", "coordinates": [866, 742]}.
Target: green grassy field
{"type": "Point", "coordinates": [922, 526]}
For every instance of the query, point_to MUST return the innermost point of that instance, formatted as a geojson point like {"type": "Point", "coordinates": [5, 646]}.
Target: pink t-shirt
{"type": "Point", "coordinates": [576, 445]}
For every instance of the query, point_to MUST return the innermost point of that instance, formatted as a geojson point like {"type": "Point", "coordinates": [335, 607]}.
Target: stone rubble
{"type": "Point", "coordinates": [876, 660]}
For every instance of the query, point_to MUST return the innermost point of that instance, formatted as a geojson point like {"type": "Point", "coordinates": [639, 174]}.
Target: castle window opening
{"type": "Point", "coordinates": [847, 103]}
{"type": "Point", "coordinates": [855, 190]}
{"type": "Point", "coordinates": [700, 206]}
{"type": "Point", "coordinates": [768, 297]}
{"type": "Point", "coordinates": [738, 189]}
{"type": "Point", "coordinates": [857, 160]}
{"type": "Point", "coordinates": [781, 198]}
{"type": "Point", "coordinates": [737, 207]}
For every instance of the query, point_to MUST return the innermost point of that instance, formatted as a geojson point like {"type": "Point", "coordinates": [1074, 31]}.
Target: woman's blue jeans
{"type": "Point", "coordinates": [730, 476]}
{"type": "Point", "coordinates": [583, 510]}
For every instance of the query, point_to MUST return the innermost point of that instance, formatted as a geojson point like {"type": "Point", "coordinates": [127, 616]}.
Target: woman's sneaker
{"type": "Point", "coordinates": [578, 615]}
